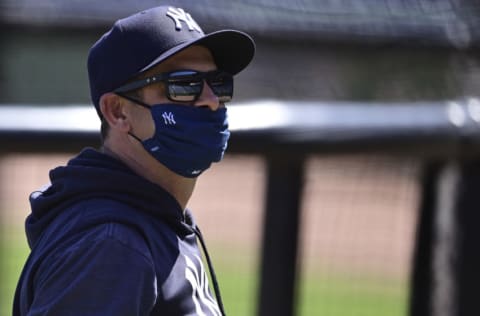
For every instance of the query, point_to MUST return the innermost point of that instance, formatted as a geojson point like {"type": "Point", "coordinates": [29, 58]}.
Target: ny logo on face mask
{"type": "Point", "coordinates": [179, 15]}
{"type": "Point", "coordinates": [168, 118]}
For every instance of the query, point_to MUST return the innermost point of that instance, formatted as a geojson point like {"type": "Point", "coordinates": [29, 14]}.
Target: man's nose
{"type": "Point", "coordinates": [208, 98]}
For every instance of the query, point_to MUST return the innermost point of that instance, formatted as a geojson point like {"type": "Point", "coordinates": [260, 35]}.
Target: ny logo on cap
{"type": "Point", "coordinates": [179, 15]}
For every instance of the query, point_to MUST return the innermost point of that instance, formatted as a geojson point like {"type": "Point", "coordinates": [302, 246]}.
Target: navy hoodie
{"type": "Point", "coordinates": [105, 241]}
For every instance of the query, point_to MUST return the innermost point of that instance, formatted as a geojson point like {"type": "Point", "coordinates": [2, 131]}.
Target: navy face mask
{"type": "Point", "coordinates": [187, 138]}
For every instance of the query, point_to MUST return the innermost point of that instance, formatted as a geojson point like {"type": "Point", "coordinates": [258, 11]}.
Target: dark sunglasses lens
{"type": "Point", "coordinates": [184, 91]}
{"type": "Point", "coordinates": [222, 85]}
{"type": "Point", "coordinates": [183, 86]}
{"type": "Point", "coordinates": [186, 86]}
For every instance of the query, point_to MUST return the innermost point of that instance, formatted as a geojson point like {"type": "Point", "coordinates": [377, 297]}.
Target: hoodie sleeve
{"type": "Point", "coordinates": [105, 276]}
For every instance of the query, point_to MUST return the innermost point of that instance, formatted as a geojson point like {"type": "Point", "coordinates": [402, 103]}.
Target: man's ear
{"type": "Point", "coordinates": [113, 111]}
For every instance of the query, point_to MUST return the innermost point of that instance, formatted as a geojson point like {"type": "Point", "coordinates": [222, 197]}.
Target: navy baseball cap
{"type": "Point", "coordinates": [139, 42]}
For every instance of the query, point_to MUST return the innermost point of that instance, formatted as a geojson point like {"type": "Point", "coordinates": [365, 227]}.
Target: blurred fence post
{"type": "Point", "coordinates": [421, 276]}
{"type": "Point", "coordinates": [467, 262]}
{"type": "Point", "coordinates": [280, 236]}
{"type": "Point", "coordinates": [445, 274]}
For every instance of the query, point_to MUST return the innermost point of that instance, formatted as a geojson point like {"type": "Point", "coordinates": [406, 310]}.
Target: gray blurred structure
{"type": "Point", "coordinates": [441, 22]}
{"type": "Point", "coordinates": [294, 128]}
{"type": "Point", "coordinates": [365, 50]}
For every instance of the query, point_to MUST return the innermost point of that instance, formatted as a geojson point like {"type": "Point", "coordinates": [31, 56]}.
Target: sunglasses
{"type": "Point", "coordinates": [187, 85]}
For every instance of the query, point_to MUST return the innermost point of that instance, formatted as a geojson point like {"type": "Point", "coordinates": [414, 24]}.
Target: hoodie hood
{"type": "Point", "coordinates": [94, 175]}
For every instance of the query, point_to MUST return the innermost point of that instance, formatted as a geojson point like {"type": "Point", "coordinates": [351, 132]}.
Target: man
{"type": "Point", "coordinates": [112, 235]}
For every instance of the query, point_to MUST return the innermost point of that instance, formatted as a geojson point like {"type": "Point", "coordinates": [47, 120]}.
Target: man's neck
{"type": "Point", "coordinates": [181, 188]}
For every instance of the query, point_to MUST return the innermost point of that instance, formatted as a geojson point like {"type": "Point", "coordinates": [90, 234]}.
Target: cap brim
{"type": "Point", "coordinates": [232, 50]}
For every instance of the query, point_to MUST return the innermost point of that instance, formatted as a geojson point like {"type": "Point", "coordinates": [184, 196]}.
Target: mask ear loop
{"type": "Point", "coordinates": [138, 102]}
{"type": "Point", "coordinates": [134, 100]}
{"type": "Point", "coordinates": [135, 137]}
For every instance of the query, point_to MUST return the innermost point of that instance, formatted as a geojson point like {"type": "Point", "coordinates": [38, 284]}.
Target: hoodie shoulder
{"type": "Point", "coordinates": [109, 263]}
{"type": "Point", "coordinates": [94, 176]}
